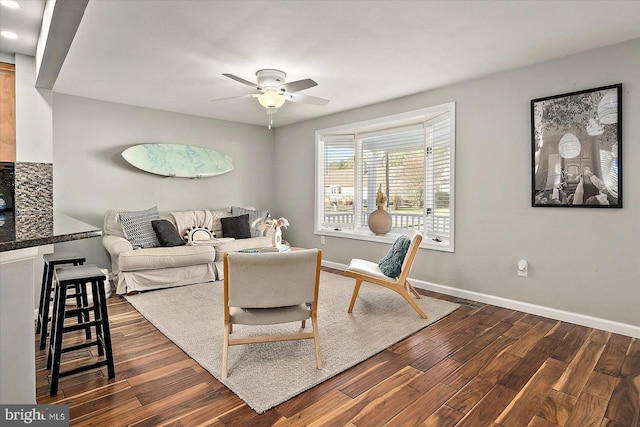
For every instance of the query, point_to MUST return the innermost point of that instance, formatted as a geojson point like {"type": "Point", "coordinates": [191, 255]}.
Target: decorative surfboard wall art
{"type": "Point", "coordinates": [178, 160]}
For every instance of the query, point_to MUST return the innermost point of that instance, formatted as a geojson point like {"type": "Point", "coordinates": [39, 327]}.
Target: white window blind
{"type": "Point", "coordinates": [338, 168]}
{"type": "Point", "coordinates": [394, 161]}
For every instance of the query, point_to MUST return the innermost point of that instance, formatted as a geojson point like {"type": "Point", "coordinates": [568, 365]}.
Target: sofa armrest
{"type": "Point", "coordinates": [115, 245]}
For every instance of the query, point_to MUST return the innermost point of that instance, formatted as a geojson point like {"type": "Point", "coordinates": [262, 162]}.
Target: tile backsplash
{"type": "Point", "coordinates": [33, 199]}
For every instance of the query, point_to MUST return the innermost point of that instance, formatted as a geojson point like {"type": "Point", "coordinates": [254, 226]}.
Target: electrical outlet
{"type": "Point", "coordinates": [523, 268]}
{"type": "Point", "coordinates": [322, 240]}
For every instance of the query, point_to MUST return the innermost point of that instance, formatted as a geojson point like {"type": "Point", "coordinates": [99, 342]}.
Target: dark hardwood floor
{"type": "Point", "coordinates": [480, 366]}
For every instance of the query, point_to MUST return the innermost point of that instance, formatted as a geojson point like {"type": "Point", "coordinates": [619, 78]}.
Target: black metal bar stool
{"type": "Point", "coordinates": [50, 262]}
{"type": "Point", "coordinates": [72, 277]}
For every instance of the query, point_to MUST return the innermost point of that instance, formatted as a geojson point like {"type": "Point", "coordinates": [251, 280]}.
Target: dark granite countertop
{"type": "Point", "coordinates": [38, 229]}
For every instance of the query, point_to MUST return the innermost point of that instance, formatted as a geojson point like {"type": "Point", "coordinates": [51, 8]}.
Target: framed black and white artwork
{"type": "Point", "coordinates": [576, 149]}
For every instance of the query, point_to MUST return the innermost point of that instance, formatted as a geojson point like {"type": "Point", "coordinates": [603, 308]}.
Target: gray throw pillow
{"type": "Point", "coordinates": [138, 229]}
{"type": "Point", "coordinates": [166, 233]}
{"type": "Point", "coordinates": [391, 264]}
{"type": "Point", "coordinates": [236, 227]}
{"type": "Point", "coordinates": [254, 214]}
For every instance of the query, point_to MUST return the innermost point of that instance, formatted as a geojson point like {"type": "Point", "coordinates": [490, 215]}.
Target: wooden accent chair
{"type": "Point", "coordinates": [367, 271]}
{"type": "Point", "coordinates": [267, 289]}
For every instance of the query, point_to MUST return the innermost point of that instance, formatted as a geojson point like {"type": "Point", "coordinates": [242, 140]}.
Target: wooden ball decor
{"type": "Point", "coordinates": [379, 221]}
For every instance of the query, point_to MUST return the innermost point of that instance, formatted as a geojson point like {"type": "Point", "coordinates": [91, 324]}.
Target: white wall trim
{"type": "Point", "coordinates": [552, 313]}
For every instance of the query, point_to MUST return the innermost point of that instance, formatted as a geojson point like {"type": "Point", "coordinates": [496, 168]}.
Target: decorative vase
{"type": "Point", "coordinates": [379, 221]}
{"type": "Point", "coordinates": [276, 238]}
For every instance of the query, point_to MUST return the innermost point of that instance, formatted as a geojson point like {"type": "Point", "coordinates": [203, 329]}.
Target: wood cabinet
{"type": "Point", "coordinates": [7, 113]}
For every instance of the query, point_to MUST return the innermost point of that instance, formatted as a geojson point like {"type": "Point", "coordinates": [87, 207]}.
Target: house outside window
{"type": "Point", "coordinates": [409, 156]}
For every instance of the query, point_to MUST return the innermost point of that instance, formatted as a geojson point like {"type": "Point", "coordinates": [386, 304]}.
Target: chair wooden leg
{"type": "Point", "coordinates": [356, 289]}
{"type": "Point", "coordinates": [412, 289]}
{"type": "Point", "coordinates": [413, 304]}
{"type": "Point", "coordinates": [225, 350]}
{"type": "Point", "coordinates": [304, 324]}
{"type": "Point", "coordinates": [316, 340]}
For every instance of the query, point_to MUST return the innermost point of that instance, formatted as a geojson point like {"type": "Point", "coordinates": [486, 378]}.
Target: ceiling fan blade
{"type": "Point", "coordinates": [298, 85]}
{"type": "Point", "coordinates": [243, 81]}
{"type": "Point", "coordinates": [251, 95]}
{"type": "Point", "coordinates": [306, 99]}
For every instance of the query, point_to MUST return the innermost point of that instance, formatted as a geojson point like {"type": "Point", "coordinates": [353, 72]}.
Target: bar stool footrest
{"type": "Point", "coordinates": [74, 312]}
{"type": "Point", "coordinates": [83, 368]}
{"type": "Point", "coordinates": [80, 346]}
{"type": "Point", "coordinates": [81, 326]}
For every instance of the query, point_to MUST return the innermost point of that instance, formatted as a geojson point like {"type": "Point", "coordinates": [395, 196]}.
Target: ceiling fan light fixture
{"type": "Point", "coordinates": [271, 99]}
{"type": "Point", "coordinates": [272, 90]}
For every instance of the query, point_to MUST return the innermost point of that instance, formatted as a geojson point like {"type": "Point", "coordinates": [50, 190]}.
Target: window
{"type": "Point", "coordinates": [410, 157]}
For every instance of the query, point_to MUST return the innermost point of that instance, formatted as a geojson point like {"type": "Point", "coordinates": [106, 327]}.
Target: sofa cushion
{"type": "Point", "coordinates": [166, 233]}
{"type": "Point", "coordinates": [236, 226]}
{"type": "Point", "coordinates": [155, 258]}
{"type": "Point", "coordinates": [254, 216]}
{"type": "Point", "coordinates": [138, 229]}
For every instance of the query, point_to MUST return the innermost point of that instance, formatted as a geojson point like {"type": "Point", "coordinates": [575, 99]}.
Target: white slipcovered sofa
{"type": "Point", "coordinates": [162, 267]}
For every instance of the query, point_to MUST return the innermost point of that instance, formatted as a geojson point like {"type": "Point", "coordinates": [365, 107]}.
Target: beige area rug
{"type": "Point", "coordinates": [265, 375]}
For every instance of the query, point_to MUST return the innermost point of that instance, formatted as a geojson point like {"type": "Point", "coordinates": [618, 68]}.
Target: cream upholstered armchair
{"type": "Point", "coordinates": [367, 271]}
{"type": "Point", "coordinates": [267, 289]}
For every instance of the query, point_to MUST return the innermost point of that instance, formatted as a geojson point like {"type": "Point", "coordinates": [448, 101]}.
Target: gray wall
{"type": "Point", "coordinates": [582, 261]}
{"type": "Point", "coordinates": [90, 175]}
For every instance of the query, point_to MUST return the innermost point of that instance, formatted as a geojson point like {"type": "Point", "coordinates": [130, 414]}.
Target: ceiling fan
{"type": "Point", "coordinates": [272, 91]}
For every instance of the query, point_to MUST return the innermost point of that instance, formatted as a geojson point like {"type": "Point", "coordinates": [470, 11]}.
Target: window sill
{"type": "Point", "coordinates": [388, 238]}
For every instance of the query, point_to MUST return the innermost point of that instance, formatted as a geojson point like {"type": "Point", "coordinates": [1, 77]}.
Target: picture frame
{"type": "Point", "coordinates": [576, 149]}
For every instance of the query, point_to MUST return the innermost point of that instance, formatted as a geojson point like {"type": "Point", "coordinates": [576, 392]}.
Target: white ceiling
{"type": "Point", "coordinates": [170, 55]}
{"type": "Point", "coordinates": [25, 23]}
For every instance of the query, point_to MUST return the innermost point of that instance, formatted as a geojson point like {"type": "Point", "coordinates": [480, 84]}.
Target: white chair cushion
{"type": "Point", "coordinates": [269, 316]}
{"type": "Point", "coordinates": [368, 268]}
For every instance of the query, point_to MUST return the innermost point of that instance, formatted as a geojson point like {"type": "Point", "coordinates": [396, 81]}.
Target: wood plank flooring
{"type": "Point", "coordinates": [480, 366]}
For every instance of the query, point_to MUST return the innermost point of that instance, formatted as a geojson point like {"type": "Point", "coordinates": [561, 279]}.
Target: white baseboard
{"type": "Point", "coordinates": [552, 313]}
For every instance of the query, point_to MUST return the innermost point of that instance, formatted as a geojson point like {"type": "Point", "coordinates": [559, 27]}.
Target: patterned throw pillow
{"type": "Point", "coordinates": [391, 264]}
{"type": "Point", "coordinates": [138, 229]}
{"type": "Point", "coordinates": [197, 233]}
{"type": "Point", "coordinates": [254, 214]}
